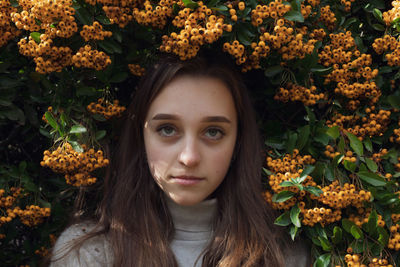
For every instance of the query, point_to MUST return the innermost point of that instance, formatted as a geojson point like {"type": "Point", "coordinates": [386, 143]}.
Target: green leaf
{"type": "Point", "coordinates": [337, 235]}
{"type": "Point", "coordinates": [267, 172]}
{"type": "Point", "coordinates": [356, 232]}
{"type": "Point", "coordinates": [371, 164]}
{"type": "Point", "coordinates": [394, 101]}
{"type": "Point", "coordinates": [304, 134]}
{"type": "Point", "coordinates": [110, 46]}
{"type": "Point", "coordinates": [119, 77]}
{"type": "Point", "coordinates": [76, 146]}
{"type": "Point", "coordinates": [372, 222]}
{"type": "Point", "coordinates": [220, 8]}
{"type": "Point", "coordinates": [310, 115]}
{"type": "Point", "coordinates": [77, 129]}
{"type": "Point", "coordinates": [14, 3]}
{"type": "Point", "coordinates": [100, 134]}
{"type": "Point", "coordinates": [36, 36]}
{"type": "Point", "coordinates": [283, 196]}
{"type": "Point", "coordinates": [190, 4]}
{"type": "Point", "coordinates": [272, 71]}
{"type": "Point", "coordinates": [294, 215]}
{"type": "Point", "coordinates": [323, 261]}
{"type": "Point", "coordinates": [350, 166]}
{"type": "Point", "coordinates": [293, 15]}
{"type": "Point", "coordinates": [371, 178]}
{"type": "Point", "coordinates": [321, 70]}
{"type": "Point", "coordinates": [326, 245]}
{"type": "Point", "coordinates": [347, 224]}
{"type": "Point", "coordinates": [293, 231]}
{"type": "Point", "coordinates": [306, 171]}
{"type": "Point", "coordinates": [383, 236]}
{"type": "Point", "coordinates": [283, 220]}
{"type": "Point", "coordinates": [333, 132]}
{"type": "Point", "coordinates": [291, 142]}
{"type": "Point", "coordinates": [378, 27]}
{"type": "Point", "coordinates": [355, 144]}
{"type": "Point", "coordinates": [368, 143]}
{"type": "Point", "coordinates": [313, 190]}
{"type": "Point", "coordinates": [50, 119]}
{"type": "Point", "coordinates": [287, 183]}
{"type": "Point", "coordinates": [337, 159]}
{"type": "Point", "coordinates": [83, 16]}
{"type": "Point", "coordinates": [104, 20]}
{"type": "Point", "coordinates": [378, 15]}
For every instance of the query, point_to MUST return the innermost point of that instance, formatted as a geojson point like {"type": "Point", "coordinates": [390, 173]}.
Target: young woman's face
{"type": "Point", "coordinates": [190, 134]}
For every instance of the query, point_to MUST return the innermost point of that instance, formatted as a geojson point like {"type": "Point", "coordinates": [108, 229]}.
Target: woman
{"type": "Point", "coordinates": [185, 185]}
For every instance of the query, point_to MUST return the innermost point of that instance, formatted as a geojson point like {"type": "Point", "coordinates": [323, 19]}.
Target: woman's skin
{"type": "Point", "coordinates": [190, 134]}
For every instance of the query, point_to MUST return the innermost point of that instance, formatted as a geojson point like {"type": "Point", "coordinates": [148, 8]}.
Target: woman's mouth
{"type": "Point", "coordinates": [186, 180]}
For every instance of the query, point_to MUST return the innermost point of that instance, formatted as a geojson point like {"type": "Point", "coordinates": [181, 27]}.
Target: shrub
{"type": "Point", "coordinates": [323, 75]}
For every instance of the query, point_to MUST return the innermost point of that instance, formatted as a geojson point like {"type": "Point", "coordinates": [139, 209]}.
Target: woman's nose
{"type": "Point", "coordinates": [189, 154]}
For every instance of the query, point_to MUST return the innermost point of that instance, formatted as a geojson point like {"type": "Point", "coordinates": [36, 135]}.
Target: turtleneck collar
{"type": "Point", "coordinates": [193, 222]}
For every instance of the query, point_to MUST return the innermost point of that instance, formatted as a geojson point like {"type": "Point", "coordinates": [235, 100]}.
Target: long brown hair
{"type": "Point", "coordinates": [133, 212]}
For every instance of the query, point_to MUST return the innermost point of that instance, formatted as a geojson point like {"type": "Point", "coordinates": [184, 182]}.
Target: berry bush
{"type": "Point", "coordinates": [323, 75]}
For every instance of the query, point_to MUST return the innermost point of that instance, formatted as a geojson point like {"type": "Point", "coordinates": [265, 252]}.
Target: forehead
{"type": "Point", "coordinates": [194, 96]}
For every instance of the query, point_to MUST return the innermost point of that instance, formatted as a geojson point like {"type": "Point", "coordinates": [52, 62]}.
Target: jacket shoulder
{"type": "Point", "coordinates": [94, 251]}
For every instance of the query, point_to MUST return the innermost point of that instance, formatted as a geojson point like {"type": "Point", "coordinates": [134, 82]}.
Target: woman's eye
{"type": "Point", "coordinates": [166, 131]}
{"type": "Point", "coordinates": [214, 133]}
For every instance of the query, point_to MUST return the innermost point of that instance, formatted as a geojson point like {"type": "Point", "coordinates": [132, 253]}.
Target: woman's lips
{"type": "Point", "coordinates": [186, 180]}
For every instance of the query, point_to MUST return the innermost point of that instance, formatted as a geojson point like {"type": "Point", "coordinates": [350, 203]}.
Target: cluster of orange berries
{"type": "Point", "coordinates": [106, 108]}
{"type": "Point", "coordinates": [388, 42]}
{"type": "Point", "coordinates": [396, 135]}
{"type": "Point", "coordinates": [54, 17]}
{"type": "Point", "coordinates": [318, 34]}
{"type": "Point", "coordinates": [377, 157]}
{"type": "Point", "coordinates": [339, 197]}
{"type": "Point", "coordinates": [48, 58]}
{"type": "Point", "coordinates": [353, 260]}
{"type": "Point", "coordinates": [136, 69]}
{"type": "Point", "coordinates": [289, 42]}
{"type": "Point", "coordinates": [155, 17]}
{"type": "Point", "coordinates": [236, 49]}
{"type": "Point", "coordinates": [199, 27]}
{"type": "Point", "coordinates": [373, 124]}
{"type": "Point", "coordinates": [394, 240]}
{"type": "Point", "coordinates": [86, 57]}
{"type": "Point", "coordinates": [118, 11]}
{"type": "Point", "coordinates": [32, 215]}
{"type": "Point", "coordinates": [290, 166]}
{"type": "Point", "coordinates": [42, 251]}
{"type": "Point", "coordinates": [347, 4]}
{"type": "Point", "coordinates": [295, 92]}
{"type": "Point", "coordinates": [7, 30]}
{"type": "Point", "coordinates": [331, 153]}
{"type": "Point", "coordinates": [6, 202]}
{"type": "Point", "coordinates": [76, 166]}
{"type": "Point", "coordinates": [363, 216]}
{"type": "Point", "coordinates": [392, 14]}
{"type": "Point", "coordinates": [273, 10]}
{"type": "Point", "coordinates": [327, 17]}
{"type": "Point", "coordinates": [316, 215]}
{"type": "Point", "coordinates": [94, 32]}
{"type": "Point", "coordinates": [289, 163]}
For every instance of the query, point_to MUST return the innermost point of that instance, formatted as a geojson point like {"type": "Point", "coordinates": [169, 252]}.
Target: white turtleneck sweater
{"type": "Point", "coordinates": [193, 230]}
{"type": "Point", "coordinates": [192, 233]}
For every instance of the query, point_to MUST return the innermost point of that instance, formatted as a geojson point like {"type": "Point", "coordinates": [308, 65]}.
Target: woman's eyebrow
{"type": "Point", "coordinates": [163, 116]}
